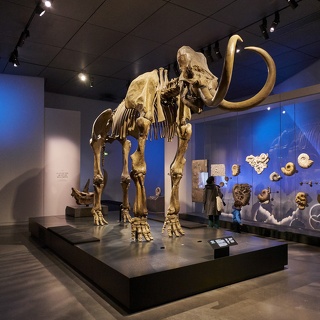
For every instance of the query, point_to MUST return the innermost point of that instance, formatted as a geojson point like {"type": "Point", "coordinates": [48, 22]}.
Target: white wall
{"type": "Point", "coordinates": [21, 148]}
{"type": "Point", "coordinates": [89, 110]}
{"type": "Point", "coordinates": [62, 159]}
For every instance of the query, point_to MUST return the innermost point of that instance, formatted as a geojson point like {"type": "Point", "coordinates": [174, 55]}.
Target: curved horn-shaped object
{"type": "Point", "coordinates": [218, 99]}
{"type": "Point", "coordinates": [263, 93]}
{"type": "Point", "coordinates": [225, 76]}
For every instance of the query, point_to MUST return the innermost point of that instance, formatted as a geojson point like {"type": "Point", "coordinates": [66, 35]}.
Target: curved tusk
{"type": "Point", "coordinates": [263, 93]}
{"type": "Point", "coordinates": [226, 72]}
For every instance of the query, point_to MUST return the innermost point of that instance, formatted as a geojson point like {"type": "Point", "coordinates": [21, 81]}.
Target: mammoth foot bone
{"type": "Point", "coordinates": [125, 215]}
{"type": "Point", "coordinates": [173, 224]}
{"type": "Point", "coordinates": [140, 229]}
{"type": "Point", "coordinates": [98, 218]}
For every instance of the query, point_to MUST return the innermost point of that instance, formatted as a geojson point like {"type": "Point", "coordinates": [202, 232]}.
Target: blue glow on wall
{"type": "Point", "coordinates": [16, 120]}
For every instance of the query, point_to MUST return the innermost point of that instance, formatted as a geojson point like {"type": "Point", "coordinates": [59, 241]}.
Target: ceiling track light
{"type": "Point", "coordinates": [82, 76]}
{"type": "Point", "coordinates": [217, 50]}
{"type": "Point", "coordinates": [91, 82]}
{"type": "Point", "coordinates": [24, 35]}
{"type": "Point", "coordinates": [39, 10]}
{"type": "Point", "coordinates": [14, 58]}
{"type": "Point", "coordinates": [48, 3]}
{"type": "Point", "coordinates": [275, 21]}
{"type": "Point", "coordinates": [292, 3]}
{"type": "Point", "coordinates": [208, 53]}
{"type": "Point", "coordinates": [263, 29]}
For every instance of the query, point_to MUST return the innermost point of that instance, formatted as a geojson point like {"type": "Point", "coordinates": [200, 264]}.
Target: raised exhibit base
{"type": "Point", "coordinates": [143, 275]}
{"type": "Point", "coordinates": [82, 211]}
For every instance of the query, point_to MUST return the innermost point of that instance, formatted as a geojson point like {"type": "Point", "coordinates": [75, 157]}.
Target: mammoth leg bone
{"type": "Point", "coordinates": [97, 142]}
{"type": "Point", "coordinates": [139, 225]}
{"type": "Point", "coordinates": [176, 169]}
{"type": "Point", "coordinates": [125, 180]}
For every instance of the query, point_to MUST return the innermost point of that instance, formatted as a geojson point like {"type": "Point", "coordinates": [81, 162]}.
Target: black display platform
{"type": "Point", "coordinates": [143, 275]}
{"type": "Point", "coordinates": [83, 211]}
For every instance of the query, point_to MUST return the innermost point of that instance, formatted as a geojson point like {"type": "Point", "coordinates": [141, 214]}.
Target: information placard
{"type": "Point", "coordinates": [223, 242]}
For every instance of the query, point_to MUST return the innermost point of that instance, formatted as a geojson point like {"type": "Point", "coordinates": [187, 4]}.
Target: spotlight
{"type": "Point", "coordinates": [217, 50]}
{"type": "Point", "coordinates": [48, 3]}
{"type": "Point", "coordinates": [24, 35]}
{"type": "Point", "coordinates": [263, 28]}
{"type": "Point", "coordinates": [14, 58]}
{"type": "Point", "coordinates": [292, 3]}
{"type": "Point", "coordinates": [39, 10]}
{"type": "Point", "coordinates": [82, 76]}
{"type": "Point", "coordinates": [275, 21]}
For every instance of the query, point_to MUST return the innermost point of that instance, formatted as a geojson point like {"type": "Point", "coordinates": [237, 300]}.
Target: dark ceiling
{"type": "Point", "coordinates": [116, 40]}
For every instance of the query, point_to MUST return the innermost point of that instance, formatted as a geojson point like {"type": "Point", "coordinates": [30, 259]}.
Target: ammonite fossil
{"type": "Point", "coordinates": [304, 161]}
{"type": "Point", "coordinates": [274, 176]}
{"type": "Point", "coordinates": [301, 200]}
{"type": "Point", "coordinates": [235, 169]}
{"type": "Point", "coordinates": [289, 169]}
{"type": "Point", "coordinates": [264, 195]}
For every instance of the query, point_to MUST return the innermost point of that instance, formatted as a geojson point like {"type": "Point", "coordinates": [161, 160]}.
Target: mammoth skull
{"type": "Point", "coordinates": [199, 86]}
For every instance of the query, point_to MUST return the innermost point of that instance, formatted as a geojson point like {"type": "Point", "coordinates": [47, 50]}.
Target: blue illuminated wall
{"type": "Point", "coordinates": [21, 147]}
{"type": "Point", "coordinates": [283, 133]}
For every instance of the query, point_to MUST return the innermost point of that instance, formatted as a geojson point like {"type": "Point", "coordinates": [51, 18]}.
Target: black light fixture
{"type": "Point", "coordinates": [275, 21]}
{"type": "Point", "coordinates": [24, 35]}
{"type": "Point", "coordinates": [39, 10]}
{"type": "Point", "coordinates": [292, 3]}
{"type": "Point", "coordinates": [217, 50]}
{"type": "Point", "coordinates": [208, 53]}
{"type": "Point", "coordinates": [91, 82]}
{"type": "Point", "coordinates": [14, 58]}
{"type": "Point", "coordinates": [263, 28]}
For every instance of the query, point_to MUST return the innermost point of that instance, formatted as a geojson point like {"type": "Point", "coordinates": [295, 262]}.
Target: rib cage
{"type": "Point", "coordinates": [124, 122]}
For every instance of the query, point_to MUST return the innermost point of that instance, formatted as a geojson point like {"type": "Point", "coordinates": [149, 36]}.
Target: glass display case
{"type": "Point", "coordinates": [277, 150]}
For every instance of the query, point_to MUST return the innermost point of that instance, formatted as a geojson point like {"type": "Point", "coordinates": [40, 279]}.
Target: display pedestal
{"type": "Point", "coordinates": [140, 275]}
{"type": "Point", "coordinates": [155, 204]}
{"type": "Point", "coordinates": [78, 211]}
{"type": "Point", "coordinates": [222, 252]}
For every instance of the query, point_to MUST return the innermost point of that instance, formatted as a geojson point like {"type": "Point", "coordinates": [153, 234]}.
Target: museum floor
{"type": "Point", "coordinates": [35, 284]}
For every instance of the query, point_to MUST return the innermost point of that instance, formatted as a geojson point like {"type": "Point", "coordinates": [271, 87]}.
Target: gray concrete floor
{"type": "Point", "coordinates": [35, 284]}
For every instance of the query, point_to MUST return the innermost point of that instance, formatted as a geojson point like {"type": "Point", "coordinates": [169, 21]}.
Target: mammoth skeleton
{"type": "Point", "coordinates": [155, 106]}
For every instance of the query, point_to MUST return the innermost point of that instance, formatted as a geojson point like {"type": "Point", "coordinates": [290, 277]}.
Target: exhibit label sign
{"type": "Point", "coordinates": [224, 242]}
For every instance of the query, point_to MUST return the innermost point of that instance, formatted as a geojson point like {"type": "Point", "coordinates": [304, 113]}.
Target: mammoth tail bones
{"type": "Point", "coordinates": [159, 108]}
